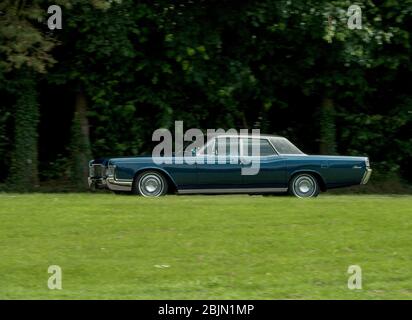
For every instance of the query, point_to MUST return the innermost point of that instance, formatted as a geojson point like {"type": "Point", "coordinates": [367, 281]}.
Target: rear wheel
{"type": "Point", "coordinates": [304, 185]}
{"type": "Point", "coordinates": [150, 184]}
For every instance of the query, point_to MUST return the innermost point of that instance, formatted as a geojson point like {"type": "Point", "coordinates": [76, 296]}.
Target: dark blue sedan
{"type": "Point", "coordinates": [220, 166]}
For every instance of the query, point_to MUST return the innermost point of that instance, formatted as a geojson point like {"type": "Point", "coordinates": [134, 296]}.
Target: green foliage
{"type": "Point", "coordinates": [266, 64]}
{"type": "Point", "coordinates": [5, 141]}
{"type": "Point", "coordinates": [327, 127]}
{"type": "Point", "coordinates": [23, 167]}
{"type": "Point", "coordinates": [22, 42]}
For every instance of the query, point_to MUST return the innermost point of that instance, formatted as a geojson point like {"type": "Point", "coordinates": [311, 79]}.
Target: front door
{"type": "Point", "coordinates": [218, 166]}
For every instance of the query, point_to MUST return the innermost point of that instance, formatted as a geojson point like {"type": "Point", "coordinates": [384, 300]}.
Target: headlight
{"type": "Point", "coordinates": [91, 171]}
{"type": "Point", "coordinates": [367, 162]}
{"type": "Point", "coordinates": [110, 170]}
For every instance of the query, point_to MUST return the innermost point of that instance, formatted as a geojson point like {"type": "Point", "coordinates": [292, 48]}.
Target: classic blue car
{"type": "Point", "coordinates": [282, 168]}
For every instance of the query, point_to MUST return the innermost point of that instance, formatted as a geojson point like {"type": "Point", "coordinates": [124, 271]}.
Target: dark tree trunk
{"type": "Point", "coordinates": [80, 143]}
{"type": "Point", "coordinates": [23, 168]}
{"type": "Point", "coordinates": [81, 110]}
{"type": "Point", "coordinates": [327, 127]}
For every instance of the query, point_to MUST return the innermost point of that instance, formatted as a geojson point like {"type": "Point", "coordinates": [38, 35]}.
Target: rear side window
{"type": "Point", "coordinates": [284, 146]}
{"type": "Point", "coordinates": [265, 148]}
{"type": "Point", "coordinates": [227, 146]}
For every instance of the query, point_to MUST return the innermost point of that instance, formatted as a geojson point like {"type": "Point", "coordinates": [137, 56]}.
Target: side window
{"type": "Point", "coordinates": [263, 145]}
{"type": "Point", "coordinates": [227, 146]}
{"type": "Point", "coordinates": [266, 148]}
{"type": "Point", "coordinates": [209, 148]}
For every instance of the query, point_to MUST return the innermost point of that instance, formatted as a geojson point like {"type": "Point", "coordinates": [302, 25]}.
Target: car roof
{"type": "Point", "coordinates": [251, 135]}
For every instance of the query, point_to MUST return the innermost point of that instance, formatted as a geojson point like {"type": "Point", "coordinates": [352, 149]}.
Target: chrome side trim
{"type": "Point", "coordinates": [233, 190]}
{"type": "Point", "coordinates": [118, 185]}
{"type": "Point", "coordinates": [366, 176]}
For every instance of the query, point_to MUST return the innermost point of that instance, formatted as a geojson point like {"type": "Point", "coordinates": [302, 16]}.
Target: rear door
{"type": "Point", "coordinates": [271, 172]}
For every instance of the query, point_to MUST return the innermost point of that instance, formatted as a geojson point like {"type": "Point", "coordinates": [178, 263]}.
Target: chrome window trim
{"type": "Point", "coordinates": [276, 153]}
{"type": "Point", "coordinates": [287, 154]}
{"type": "Point", "coordinates": [240, 137]}
{"type": "Point", "coordinates": [273, 146]}
{"type": "Point", "coordinates": [201, 150]}
{"type": "Point", "coordinates": [212, 140]}
{"type": "Point", "coordinates": [227, 137]}
{"type": "Point", "coordinates": [243, 136]}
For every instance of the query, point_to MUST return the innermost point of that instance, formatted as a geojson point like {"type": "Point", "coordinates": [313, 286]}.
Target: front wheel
{"type": "Point", "coordinates": [304, 185]}
{"type": "Point", "coordinates": [150, 184]}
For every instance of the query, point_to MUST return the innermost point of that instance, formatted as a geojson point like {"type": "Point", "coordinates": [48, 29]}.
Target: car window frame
{"type": "Point", "coordinates": [227, 146]}
{"type": "Point", "coordinates": [275, 152]}
{"type": "Point", "coordinates": [202, 150]}
{"type": "Point", "coordinates": [286, 154]}
{"type": "Point", "coordinates": [205, 147]}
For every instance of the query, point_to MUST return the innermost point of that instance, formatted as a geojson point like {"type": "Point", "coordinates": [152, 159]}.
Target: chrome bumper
{"type": "Point", "coordinates": [110, 183]}
{"type": "Point", "coordinates": [118, 185]}
{"type": "Point", "coordinates": [366, 176]}
{"type": "Point", "coordinates": [96, 183]}
{"type": "Point", "coordinates": [106, 178]}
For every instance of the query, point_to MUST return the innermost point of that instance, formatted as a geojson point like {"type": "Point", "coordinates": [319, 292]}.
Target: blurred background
{"type": "Point", "coordinates": [118, 70]}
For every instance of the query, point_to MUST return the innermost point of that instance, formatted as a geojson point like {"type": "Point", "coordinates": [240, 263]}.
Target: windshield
{"type": "Point", "coordinates": [284, 146]}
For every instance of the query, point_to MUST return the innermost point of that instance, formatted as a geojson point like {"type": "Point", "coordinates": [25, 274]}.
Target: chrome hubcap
{"type": "Point", "coordinates": [150, 185]}
{"type": "Point", "coordinates": [304, 186]}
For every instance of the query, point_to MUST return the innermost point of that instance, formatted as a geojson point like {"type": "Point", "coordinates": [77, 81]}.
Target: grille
{"type": "Point", "coordinates": [97, 171]}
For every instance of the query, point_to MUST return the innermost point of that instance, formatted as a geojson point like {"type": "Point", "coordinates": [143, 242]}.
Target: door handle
{"type": "Point", "coordinates": [324, 165]}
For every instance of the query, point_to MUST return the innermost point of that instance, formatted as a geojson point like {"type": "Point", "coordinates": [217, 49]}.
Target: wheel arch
{"type": "Point", "coordinates": [317, 175]}
{"type": "Point", "coordinates": [171, 183]}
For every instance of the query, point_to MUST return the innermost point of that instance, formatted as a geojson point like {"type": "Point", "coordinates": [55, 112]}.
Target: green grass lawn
{"type": "Point", "coordinates": [205, 247]}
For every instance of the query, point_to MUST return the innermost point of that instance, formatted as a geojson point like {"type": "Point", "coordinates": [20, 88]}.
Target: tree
{"type": "Point", "coordinates": [25, 50]}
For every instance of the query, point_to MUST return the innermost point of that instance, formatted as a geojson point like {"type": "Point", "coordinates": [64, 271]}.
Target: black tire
{"type": "Point", "coordinates": [121, 193]}
{"type": "Point", "coordinates": [150, 184]}
{"type": "Point", "coordinates": [304, 185]}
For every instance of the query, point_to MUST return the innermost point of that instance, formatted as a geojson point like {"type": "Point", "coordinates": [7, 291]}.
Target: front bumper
{"type": "Point", "coordinates": [110, 183]}
{"type": "Point", "coordinates": [366, 176]}
{"type": "Point", "coordinates": [102, 177]}
{"type": "Point", "coordinates": [96, 183]}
